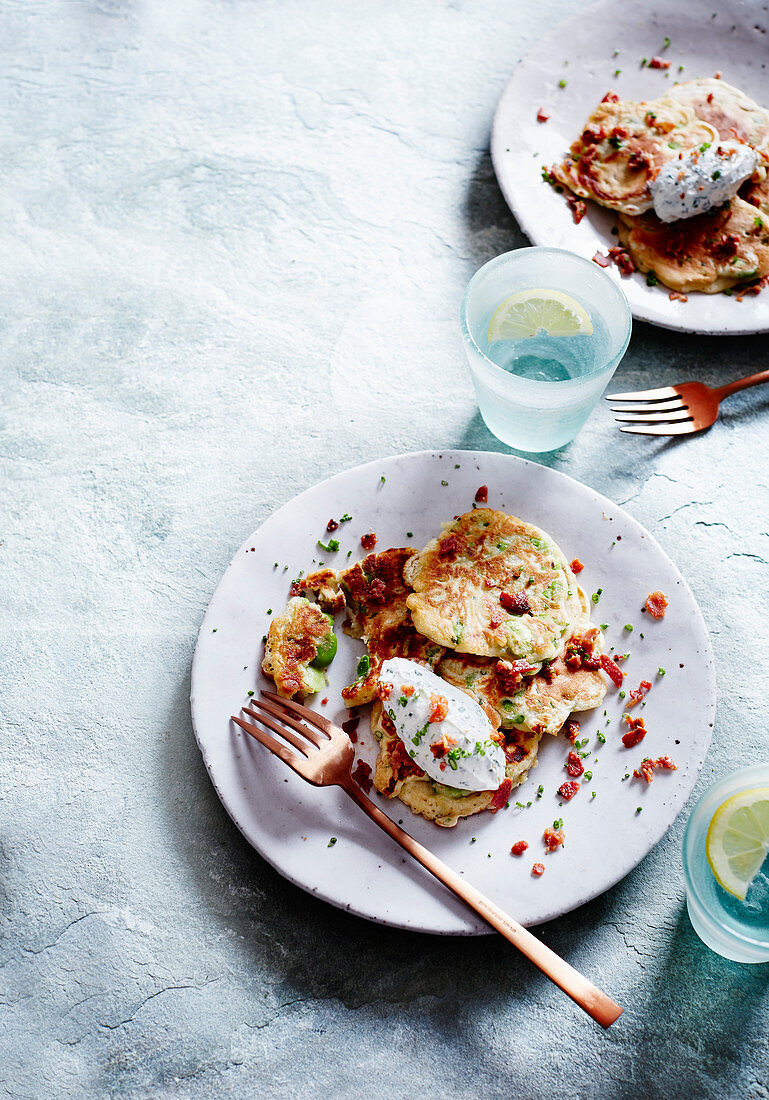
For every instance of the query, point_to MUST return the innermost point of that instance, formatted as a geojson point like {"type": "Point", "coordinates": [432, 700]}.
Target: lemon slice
{"type": "Point", "coordinates": [538, 310]}
{"type": "Point", "coordinates": [738, 839]}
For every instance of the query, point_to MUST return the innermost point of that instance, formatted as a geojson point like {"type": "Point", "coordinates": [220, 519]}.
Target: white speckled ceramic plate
{"type": "Point", "coordinates": [290, 823]}
{"type": "Point", "coordinates": [585, 52]}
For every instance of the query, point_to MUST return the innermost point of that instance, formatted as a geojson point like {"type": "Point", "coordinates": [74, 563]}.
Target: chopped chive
{"type": "Point", "coordinates": [333, 545]}
{"type": "Point", "coordinates": [444, 483]}
{"type": "Point", "coordinates": [331, 842]}
{"type": "Point", "coordinates": [540, 791]}
{"type": "Point", "coordinates": [345, 518]}
{"type": "Point", "coordinates": [629, 627]}
{"type": "Point", "coordinates": [660, 671]}
{"type": "Point", "coordinates": [604, 626]}
{"type": "Point", "coordinates": [561, 83]}
{"type": "Point", "coordinates": [602, 738]}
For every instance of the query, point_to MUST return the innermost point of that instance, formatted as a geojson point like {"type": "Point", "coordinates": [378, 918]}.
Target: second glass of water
{"type": "Point", "coordinates": [544, 331]}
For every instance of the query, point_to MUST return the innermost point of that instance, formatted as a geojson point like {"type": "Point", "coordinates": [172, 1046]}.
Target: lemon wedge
{"type": "Point", "coordinates": [538, 310]}
{"type": "Point", "coordinates": [738, 840]}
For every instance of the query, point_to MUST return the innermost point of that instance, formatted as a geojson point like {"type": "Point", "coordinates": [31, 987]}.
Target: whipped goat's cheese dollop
{"type": "Point", "coordinates": [445, 731]}
{"type": "Point", "coordinates": [701, 178]}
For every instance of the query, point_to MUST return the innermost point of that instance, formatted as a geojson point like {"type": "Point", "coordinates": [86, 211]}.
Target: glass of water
{"type": "Point", "coordinates": [735, 928]}
{"type": "Point", "coordinates": [544, 331]}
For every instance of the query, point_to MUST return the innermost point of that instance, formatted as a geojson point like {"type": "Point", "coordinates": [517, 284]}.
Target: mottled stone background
{"type": "Point", "coordinates": [220, 222]}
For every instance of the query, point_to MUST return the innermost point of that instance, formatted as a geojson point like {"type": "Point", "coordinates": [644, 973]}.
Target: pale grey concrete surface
{"type": "Point", "coordinates": [220, 222]}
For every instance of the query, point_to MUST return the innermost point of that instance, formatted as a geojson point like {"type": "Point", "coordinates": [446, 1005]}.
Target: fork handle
{"type": "Point", "coordinates": [596, 1003]}
{"type": "Point", "coordinates": [742, 384]}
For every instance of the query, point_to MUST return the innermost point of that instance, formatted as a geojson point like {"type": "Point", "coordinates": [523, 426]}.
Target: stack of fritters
{"type": "Point", "coordinates": [623, 145]}
{"type": "Point", "coordinates": [492, 606]}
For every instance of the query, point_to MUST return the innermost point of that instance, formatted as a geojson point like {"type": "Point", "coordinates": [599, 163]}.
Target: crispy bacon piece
{"type": "Point", "coordinates": [295, 589]}
{"type": "Point", "coordinates": [518, 848]}
{"type": "Point", "coordinates": [636, 696]}
{"type": "Point", "coordinates": [516, 603]}
{"type": "Point", "coordinates": [677, 296]}
{"type": "Point", "coordinates": [601, 259]}
{"type": "Point", "coordinates": [578, 208]}
{"type": "Point", "coordinates": [576, 566]}
{"type": "Point", "coordinates": [509, 674]}
{"type": "Point", "coordinates": [727, 246]}
{"type": "Point", "coordinates": [408, 690]}
{"type": "Point", "coordinates": [368, 542]}
{"type": "Point", "coordinates": [574, 765]}
{"type": "Point", "coordinates": [568, 790]}
{"type": "Point", "coordinates": [612, 670]}
{"type": "Point", "coordinates": [593, 137]}
{"type": "Point", "coordinates": [538, 869]}
{"type": "Point", "coordinates": [332, 525]}
{"type": "Point", "coordinates": [438, 749]}
{"type": "Point", "coordinates": [553, 838]}
{"type": "Point", "coordinates": [384, 690]}
{"type": "Point", "coordinates": [482, 494]}
{"type": "Point", "coordinates": [666, 764]}
{"type": "Point", "coordinates": [622, 258]}
{"type": "Point", "coordinates": [636, 731]}
{"type": "Point", "coordinates": [656, 604]}
{"type": "Point", "coordinates": [501, 795]}
{"type": "Point", "coordinates": [351, 725]}
{"type": "Point", "coordinates": [514, 753]}
{"type": "Point", "coordinates": [362, 775]}
{"type": "Point", "coordinates": [449, 545]}
{"type": "Point", "coordinates": [638, 160]}
{"type": "Point", "coordinates": [645, 771]}
{"type": "Point", "coordinates": [580, 651]}
{"type": "Point", "coordinates": [542, 115]}
{"type": "Point", "coordinates": [610, 97]}
{"type": "Point", "coordinates": [659, 63]}
{"type": "Point", "coordinates": [571, 728]}
{"type": "Point", "coordinates": [439, 705]}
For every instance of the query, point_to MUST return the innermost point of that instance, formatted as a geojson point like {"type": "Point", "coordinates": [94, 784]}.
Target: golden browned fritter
{"type": "Point", "coordinates": [622, 146]}
{"type": "Point", "coordinates": [493, 585]}
{"type": "Point", "coordinates": [711, 252]}
{"type": "Point", "coordinates": [376, 602]}
{"type": "Point", "coordinates": [292, 646]}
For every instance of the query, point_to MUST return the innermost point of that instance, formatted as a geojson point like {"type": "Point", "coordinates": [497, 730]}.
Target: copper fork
{"type": "Point", "coordinates": [323, 754]}
{"type": "Point", "coordinates": [677, 410]}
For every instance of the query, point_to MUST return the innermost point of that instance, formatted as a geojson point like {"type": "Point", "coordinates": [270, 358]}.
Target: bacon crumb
{"type": "Point", "coordinates": [676, 296]}
{"type": "Point", "coordinates": [408, 690]}
{"type": "Point", "coordinates": [518, 848]}
{"type": "Point", "coordinates": [610, 97]}
{"type": "Point", "coordinates": [571, 726]}
{"type": "Point", "coordinates": [501, 795]}
{"type": "Point", "coordinates": [438, 749]}
{"type": "Point", "coordinates": [574, 765]}
{"type": "Point", "coordinates": [482, 494]}
{"type": "Point", "coordinates": [439, 708]}
{"type": "Point", "coordinates": [623, 260]}
{"type": "Point", "coordinates": [568, 790]}
{"type": "Point", "coordinates": [449, 545]}
{"type": "Point", "coordinates": [578, 208]}
{"type": "Point", "coordinates": [368, 542]}
{"type": "Point", "coordinates": [636, 732]}
{"type": "Point", "coordinates": [656, 604]}
{"type": "Point", "coordinates": [576, 566]}
{"type": "Point", "coordinates": [515, 602]}
{"type": "Point", "coordinates": [351, 724]}
{"type": "Point", "coordinates": [538, 869]}
{"type": "Point", "coordinates": [636, 696]}
{"type": "Point", "coordinates": [295, 589]}
{"type": "Point", "coordinates": [647, 767]}
{"type": "Point", "coordinates": [542, 115]}
{"type": "Point", "coordinates": [362, 775]}
{"type": "Point", "coordinates": [658, 63]}
{"type": "Point", "coordinates": [602, 260]}
{"type": "Point", "coordinates": [553, 838]}
{"type": "Point", "coordinates": [510, 673]}
{"type": "Point", "coordinates": [612, 670]}
{"type": "Point", "coordinates": [384, 690]}
{"type": "Point", "coordinates": [332, 525]}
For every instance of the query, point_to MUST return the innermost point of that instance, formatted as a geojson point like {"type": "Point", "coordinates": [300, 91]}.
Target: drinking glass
{"type": "Point", "coordinates": [543, 394]}
{"type": "Point", "coordinates": [738, 930]}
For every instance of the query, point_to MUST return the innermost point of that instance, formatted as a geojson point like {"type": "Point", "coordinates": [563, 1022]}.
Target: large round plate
{"type": "Point", "coordinates": [585, 51]}
{"type": "Point", "coordinates": [290, 823]}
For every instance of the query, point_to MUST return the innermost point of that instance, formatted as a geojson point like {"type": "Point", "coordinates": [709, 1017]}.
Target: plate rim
{"type": "Point", "coordinates": [528, 223]}
{"type": "Point", "coordinates": [377, 464]}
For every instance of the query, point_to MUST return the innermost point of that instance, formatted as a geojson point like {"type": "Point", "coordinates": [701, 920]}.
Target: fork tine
{"type": "Point", "coordinates": [308, 715]}
{"type": "Point", "coordinates": [299, 743]}
{"type": "Point", "coordinates": [674, 405]}
{"type": "Point", "coordinates": [653, 418]}
{"type": "Point", "coordinates": [663, 429]}
{"type": "Point", "coordinates": [308, 732]}
{"type": "Point", "coordinates": [643, 395]}
{"type": "Point", "coordinates": [271, 743]}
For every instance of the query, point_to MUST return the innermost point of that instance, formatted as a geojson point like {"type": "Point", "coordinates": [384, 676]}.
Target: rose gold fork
{"type": "Point", "coordinates": [677, 410]}
{"type": "Point", "coordinates": [323, 755]}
